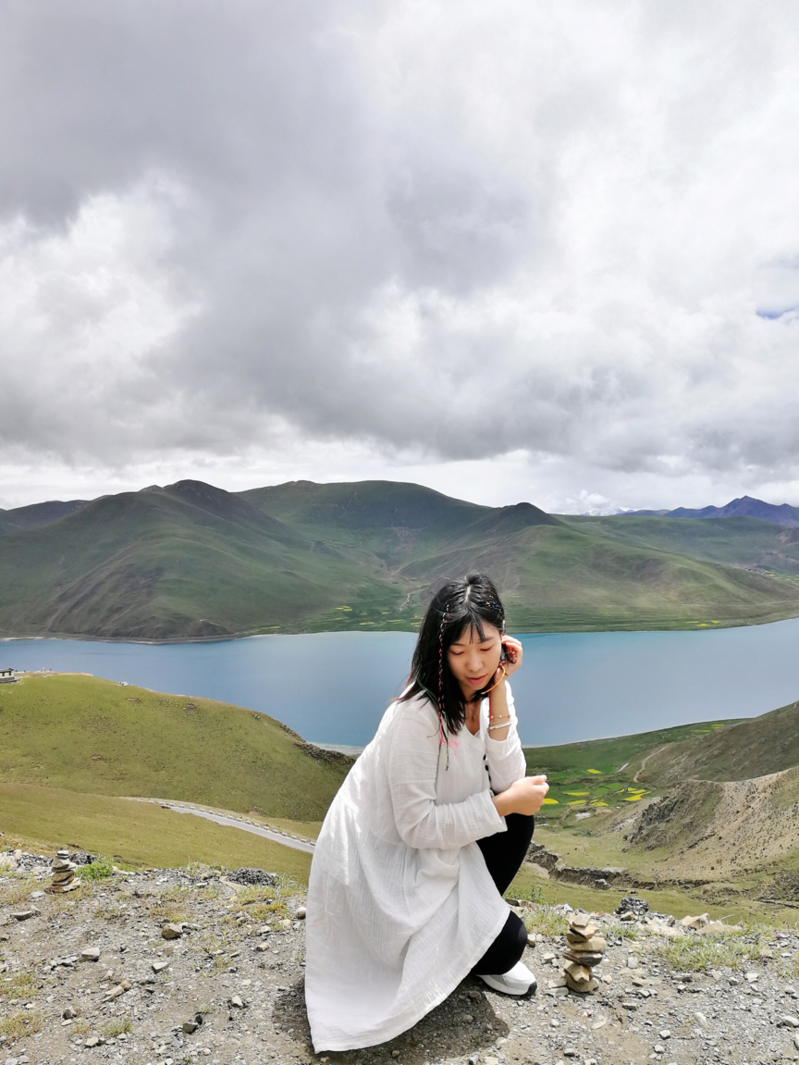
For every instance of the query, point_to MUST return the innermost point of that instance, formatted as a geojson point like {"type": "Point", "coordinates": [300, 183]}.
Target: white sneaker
{"type": "Point", "coordinates": [516, 981]}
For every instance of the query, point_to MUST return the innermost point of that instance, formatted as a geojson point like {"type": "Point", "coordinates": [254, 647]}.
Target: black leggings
{"type": "Point", "coordinates": [504, 853]}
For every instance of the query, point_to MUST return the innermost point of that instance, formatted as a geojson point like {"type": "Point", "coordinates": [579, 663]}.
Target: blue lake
{"type": "Point", "coordinates": [334, 687]}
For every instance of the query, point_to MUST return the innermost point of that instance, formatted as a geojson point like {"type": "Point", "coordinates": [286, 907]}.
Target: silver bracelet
{"type": "Point", "coordinates": [500, 724]}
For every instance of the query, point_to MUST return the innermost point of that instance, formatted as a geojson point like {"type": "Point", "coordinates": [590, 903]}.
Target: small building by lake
{"type": "Point", "coordinates": [7, 676]}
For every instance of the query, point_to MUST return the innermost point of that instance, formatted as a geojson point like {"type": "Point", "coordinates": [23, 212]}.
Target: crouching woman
{"type": "Point", "coordinates": [424, 837]}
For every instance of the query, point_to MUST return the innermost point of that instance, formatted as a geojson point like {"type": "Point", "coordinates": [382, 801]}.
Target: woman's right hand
{"type": "Point", "coordinates": [525, 796]}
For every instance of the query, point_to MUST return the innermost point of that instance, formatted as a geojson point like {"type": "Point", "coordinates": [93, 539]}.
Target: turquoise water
{"type": "Point", "coordinates": [334, 687]}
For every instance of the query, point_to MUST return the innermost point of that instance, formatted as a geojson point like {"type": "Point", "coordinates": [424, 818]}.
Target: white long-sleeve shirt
{"type": "Point", "coordinates": [400, 903]}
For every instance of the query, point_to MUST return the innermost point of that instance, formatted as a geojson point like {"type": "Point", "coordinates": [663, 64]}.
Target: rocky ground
{"type": "Point", "coordinates": [88, 977]}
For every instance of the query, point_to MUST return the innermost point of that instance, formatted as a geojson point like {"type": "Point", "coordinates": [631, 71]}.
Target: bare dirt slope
{"type": "Point", "coordinates": [724, 828]}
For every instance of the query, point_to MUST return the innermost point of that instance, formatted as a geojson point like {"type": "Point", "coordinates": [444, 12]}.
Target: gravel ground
{"type": "Point", "coordinates": [235, 971]}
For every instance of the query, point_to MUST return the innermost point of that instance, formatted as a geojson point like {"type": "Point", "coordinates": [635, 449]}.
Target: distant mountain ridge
{"type": "Point", "coordinates": [745, 507]}
{"type": "Point", "coordinates": [192, 561]}
{"type": "Point", "coordinates": [37, 514]}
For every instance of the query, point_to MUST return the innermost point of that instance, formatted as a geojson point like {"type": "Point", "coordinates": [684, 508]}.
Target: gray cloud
{"type": "Point", "coordinates": [457, 233]}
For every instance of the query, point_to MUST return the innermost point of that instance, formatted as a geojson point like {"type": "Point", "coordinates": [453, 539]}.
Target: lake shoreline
{"type": "Point", "coordinates": [699, 626]}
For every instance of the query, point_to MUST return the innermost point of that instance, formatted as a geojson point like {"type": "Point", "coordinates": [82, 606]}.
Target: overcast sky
{"type": "Point", "coordinates": [512, 250]}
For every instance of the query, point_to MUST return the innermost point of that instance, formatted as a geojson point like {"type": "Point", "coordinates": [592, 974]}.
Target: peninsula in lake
{"type": "Point", "coordinates": [191, 561]}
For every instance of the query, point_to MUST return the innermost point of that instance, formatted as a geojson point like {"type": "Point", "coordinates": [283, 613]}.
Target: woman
{"type": "Point", "coordinates": [424, 836]}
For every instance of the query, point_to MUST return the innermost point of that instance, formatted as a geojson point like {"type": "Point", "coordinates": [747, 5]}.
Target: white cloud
{"type": "Point", "coordinates": [517, 247]}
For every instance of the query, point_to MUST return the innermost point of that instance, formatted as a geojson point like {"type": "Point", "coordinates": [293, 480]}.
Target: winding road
{"type": "Point", "coordinates": [238, 822]}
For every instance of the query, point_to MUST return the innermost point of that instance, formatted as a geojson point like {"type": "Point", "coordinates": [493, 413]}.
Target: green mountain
{"type": "Point", "coordinates": [192, 561]}
{"type": "Point", "coordinates": [37, 514]}
{"type": "Point", "coordinates": [752, 543]}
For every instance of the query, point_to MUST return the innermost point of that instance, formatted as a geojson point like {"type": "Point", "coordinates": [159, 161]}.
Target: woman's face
{"type": "Point", "coordinates": [474, 661]}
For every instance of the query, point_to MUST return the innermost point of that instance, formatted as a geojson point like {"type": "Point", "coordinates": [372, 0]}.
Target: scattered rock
{"type": "Point", "coordinates": [254, 877]}
{"type": "Point", "coordinates": [657, 927]}
{"type": "Point", "coordinates": [695, 922]}
{"type": "Point", "coordinates": [115, 992]}
{"type": "Point", "coordinates": [173, 931]}
{"type": "Point", "coordinates": [636, 1015]}
{"type": "Point", "coordinates": [90, 954]}
{"type": "Point", "coordinates": [25, 915]}
{"type": "Point", "coordinates": [715, 927]}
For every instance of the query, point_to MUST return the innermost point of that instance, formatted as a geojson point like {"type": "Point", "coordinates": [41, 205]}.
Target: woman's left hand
{"type": "Point", "coordinates": [513, 656]}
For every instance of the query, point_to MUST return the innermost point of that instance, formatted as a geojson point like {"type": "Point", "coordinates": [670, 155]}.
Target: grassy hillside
{"type": "Point", "coordinates": [192, 561]}
{"type": "Point", "coordinates": [557, 579]}
{"type": "Point", "coordinates": [595, 776]}
{"type": "Point", "coordinates": [94, 736]}
{"type": "Point", "coordinates": [752, 748]}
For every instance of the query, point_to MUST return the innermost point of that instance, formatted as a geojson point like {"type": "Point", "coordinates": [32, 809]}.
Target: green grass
{"type": "Point", "coordinates": [735, 950]}
{"type": "Point", "coordinates": [94, 736]}
{"type": "Point", "coordinates": [668, 899]}
{"type": "Point", "coordinates": [545, 920]}
{"type": "Point", "coordinates": [99, 869]}
{"type": "Point", "coordinates": [117, 1026]}
{"type": "Point", "coordinates": [598, 775]}
{"type": "Point", "coordinates": [136, 834]}
{"type": "Point", "coordinates": [20, 1023]}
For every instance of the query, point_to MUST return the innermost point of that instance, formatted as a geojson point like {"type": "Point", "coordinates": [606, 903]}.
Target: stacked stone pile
{"type": "Point", "coordinates": [632, 908]}
{"type": "Point", "coordinates": [63, 873]}
{"type": "Point", "coordinates": [583, 952]}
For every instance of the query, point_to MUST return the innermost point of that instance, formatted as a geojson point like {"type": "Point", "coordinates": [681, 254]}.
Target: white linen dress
{"type": "Point", "coordinates": [401, 905]}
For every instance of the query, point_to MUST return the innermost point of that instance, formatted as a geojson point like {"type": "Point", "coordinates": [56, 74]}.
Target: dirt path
{"type": "Point", "coordinates": [643, 764]}
{"type": "Point", "coordinates": [235, 822]}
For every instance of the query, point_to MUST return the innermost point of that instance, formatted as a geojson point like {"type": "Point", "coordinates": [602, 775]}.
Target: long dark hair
{"type": "Point", "coordinates": [459, 604]}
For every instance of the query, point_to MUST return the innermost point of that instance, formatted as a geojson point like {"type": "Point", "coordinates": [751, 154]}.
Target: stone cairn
{"type": "Point", "coordinates": [63, 873]}
{"type": "Point", "coordinates": [582, 953]}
